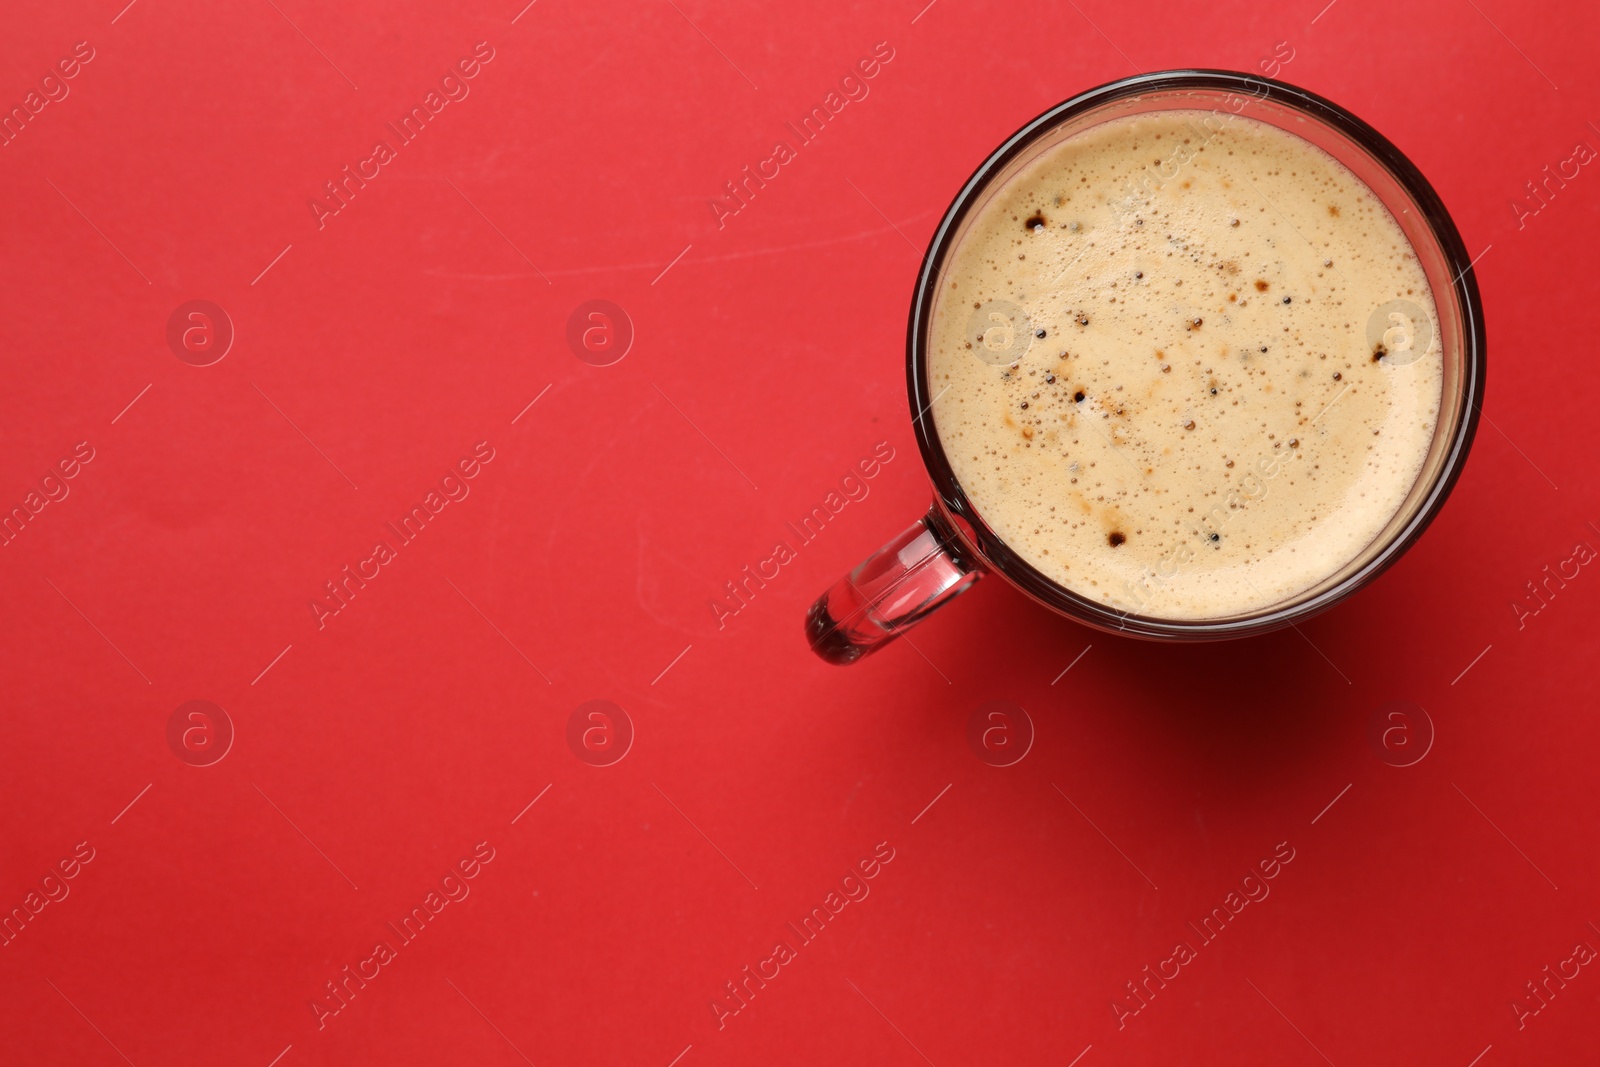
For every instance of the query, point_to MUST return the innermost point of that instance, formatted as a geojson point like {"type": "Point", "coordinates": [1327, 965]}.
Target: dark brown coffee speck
{"type": "Point", "coordinates": [1116, 538]}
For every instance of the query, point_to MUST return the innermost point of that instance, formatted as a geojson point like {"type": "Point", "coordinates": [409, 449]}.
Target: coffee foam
{"type": "Point", "coordinates": [1153, 371]}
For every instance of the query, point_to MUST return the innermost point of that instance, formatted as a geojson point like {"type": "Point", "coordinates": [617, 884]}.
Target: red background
{"type": "Point", "coordinates": [423, 318]}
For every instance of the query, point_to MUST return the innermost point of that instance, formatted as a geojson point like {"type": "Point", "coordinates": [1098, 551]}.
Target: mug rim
{"type": "Point", "coordinates": [993, 554]}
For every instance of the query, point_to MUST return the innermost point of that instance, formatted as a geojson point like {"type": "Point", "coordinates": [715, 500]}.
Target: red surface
{"type": "Point", "coordinates": [380, 749]}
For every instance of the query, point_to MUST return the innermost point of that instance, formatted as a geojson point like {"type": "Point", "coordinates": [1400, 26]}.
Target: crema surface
{"type": "Point", "coordinates": [1154, 371]}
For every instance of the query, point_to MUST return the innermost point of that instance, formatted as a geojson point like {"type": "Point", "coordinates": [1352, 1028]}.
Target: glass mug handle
{"type": "Point", "coordinates": [897, 587]}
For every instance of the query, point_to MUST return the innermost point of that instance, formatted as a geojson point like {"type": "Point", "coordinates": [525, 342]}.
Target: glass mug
{"type": "Point", "coordinates": [948, 549]}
